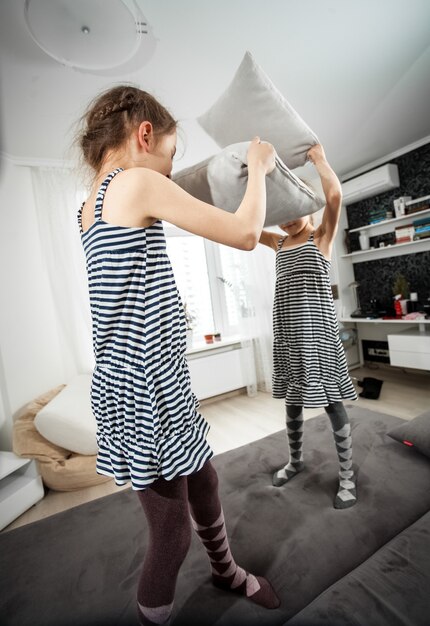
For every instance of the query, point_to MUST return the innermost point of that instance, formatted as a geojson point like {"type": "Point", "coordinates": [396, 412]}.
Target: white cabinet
{"type": "Point", "coordinates": [410, 348]}
{"type": "Point", "coordinates": [20, 486]}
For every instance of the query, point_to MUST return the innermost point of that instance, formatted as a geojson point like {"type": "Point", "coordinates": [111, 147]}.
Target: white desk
{"type": "Point", "coordinates": [408, 347]}
{"type": "Point", "coordinates": [422, 324]}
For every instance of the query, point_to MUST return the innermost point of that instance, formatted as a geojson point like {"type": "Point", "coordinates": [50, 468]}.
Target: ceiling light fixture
{"type": "Point", "coordinates": [98, 36]}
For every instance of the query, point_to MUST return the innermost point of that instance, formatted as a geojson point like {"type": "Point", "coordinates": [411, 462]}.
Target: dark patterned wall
{"type": "Point", "coordinates": [376, 277]}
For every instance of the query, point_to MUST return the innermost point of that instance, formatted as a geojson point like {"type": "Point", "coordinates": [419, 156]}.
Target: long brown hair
{"type": "Point", "coordinates": [111, 117]}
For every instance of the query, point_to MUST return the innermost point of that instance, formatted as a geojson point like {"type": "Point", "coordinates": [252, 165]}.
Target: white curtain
{"type": "Point", "coordinates": [248, 280]}
{"type": "Point", "coordinates": [57, 196]}
{"type": "Point", "coordinates": [260, 272]}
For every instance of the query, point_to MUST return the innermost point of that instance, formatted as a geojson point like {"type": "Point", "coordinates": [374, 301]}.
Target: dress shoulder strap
{"type": "Point", "coordinates": [98, 208]}
{"type": "Point", "coordinates": [80, 217]}
{"type": "Point", "coordinates": [281, 241]}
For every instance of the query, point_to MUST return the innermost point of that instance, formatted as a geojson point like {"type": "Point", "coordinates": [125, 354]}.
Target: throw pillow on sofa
{"type": "Point", "coordinates": [61, 469]}
{"type": "Point", "coordinates": [67, 420]}
{"type": "Point", "coordinates": [414, 433]}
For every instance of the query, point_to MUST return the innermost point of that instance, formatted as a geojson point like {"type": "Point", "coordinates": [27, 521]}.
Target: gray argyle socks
{"type": "Point", "coordinates": [346, 495]}
{"type": "Point", "coordinates": [347, 492]}
{"type": "Point", "coordinates": [295, 443]}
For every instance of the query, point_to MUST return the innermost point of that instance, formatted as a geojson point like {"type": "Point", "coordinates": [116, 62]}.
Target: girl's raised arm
{"type": "Point", "coordinates": [332, 191]}
{"type": "Point", "coordinates": [160, 198]}
{"type": "Point", "coordinates": [270, 239]}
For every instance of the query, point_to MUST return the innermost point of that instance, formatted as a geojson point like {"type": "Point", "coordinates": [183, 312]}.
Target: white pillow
{"type": "Point", "coordinates": [252, 105]}
{"type": "Point", "coordinates": [222, 179]}
{"type": "Point", "coordinates": [67, 420]}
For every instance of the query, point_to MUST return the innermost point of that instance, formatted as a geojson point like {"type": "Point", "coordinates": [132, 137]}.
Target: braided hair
{"type": "Point", "coordinates": [111, 117]}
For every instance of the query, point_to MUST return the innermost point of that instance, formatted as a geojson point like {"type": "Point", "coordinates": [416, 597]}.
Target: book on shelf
{"type": "Point", "coordinates": [424, 235]}
{"type": "Point", "coordinates": [404, 233]}
{"type": "Point", "coordinates": [377, 220]}
{"type": "Point", "coordinates": [377, 215]}
{"type": "Point", "coordinates": [404, 226]}
{"type": "Point", "coordinates": [416, 209]}
{"type": "Point", "coordinates": [424, 221]}
{"type": "Point", "coordinates": [422, 229]}
{"type": "Point", "coordinates": [406, 239]}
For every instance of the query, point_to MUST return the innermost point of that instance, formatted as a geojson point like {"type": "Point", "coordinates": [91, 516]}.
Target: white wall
{"type": "Point", "coordinates": [30, 353]}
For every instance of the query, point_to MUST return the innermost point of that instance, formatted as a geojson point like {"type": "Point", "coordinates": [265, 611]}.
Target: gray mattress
{"type": "Point", "coordinates": [367, 566]}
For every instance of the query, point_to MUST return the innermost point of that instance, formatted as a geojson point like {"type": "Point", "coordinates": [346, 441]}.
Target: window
{"type": "Point", "coordinates": [188, 257]}
{"type": "Point", "coordinates": [235, 280]}
{"type": "Point", "coordinates": [212, 281]}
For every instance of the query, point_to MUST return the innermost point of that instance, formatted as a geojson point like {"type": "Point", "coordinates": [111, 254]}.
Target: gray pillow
{"type": "Point", "coordinates": [194, 180]}
{"type": "Point", "coordinates": [252, 105]}
{"type": "Point", "coordinates": [414, 433]}
{"type": "Point", "coordinates": [221, 180]}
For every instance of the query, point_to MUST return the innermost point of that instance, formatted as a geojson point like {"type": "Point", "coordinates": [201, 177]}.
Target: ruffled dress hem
{"type": "Point", "coordinates": [315, 396]}
{"type": "Point", "coordinates": [180, 454]}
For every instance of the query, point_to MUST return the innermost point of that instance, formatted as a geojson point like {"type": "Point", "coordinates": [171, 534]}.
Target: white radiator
{"type": "Point", "coordinates": [220, 370]}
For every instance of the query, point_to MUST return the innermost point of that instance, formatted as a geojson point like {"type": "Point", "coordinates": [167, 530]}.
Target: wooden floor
{"type": "Point", "coordinates": [237, 419]}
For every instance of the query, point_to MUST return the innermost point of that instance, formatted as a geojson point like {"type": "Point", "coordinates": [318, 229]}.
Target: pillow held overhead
{"type": "Point", "coordinates": [222, 179]}
{"type": "Point", "coordinates": [252, 105]}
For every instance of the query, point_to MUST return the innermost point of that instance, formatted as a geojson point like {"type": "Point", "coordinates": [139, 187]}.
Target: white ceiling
{"type": "Point", "coordinates": [357, 71]}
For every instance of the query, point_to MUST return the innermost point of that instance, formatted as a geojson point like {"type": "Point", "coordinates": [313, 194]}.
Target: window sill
{"type": "Point", "coordinates": [201, 346]}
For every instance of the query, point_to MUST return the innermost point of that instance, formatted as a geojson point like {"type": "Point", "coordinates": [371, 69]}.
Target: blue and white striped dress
{"type": "Point", "coordinates": [309, 364]}
{"type": "Point", "coordinates": [148, 425]}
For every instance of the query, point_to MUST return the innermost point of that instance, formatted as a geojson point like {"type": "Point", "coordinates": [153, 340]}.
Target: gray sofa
{"type": "Point", "coordinates": [364, 566]}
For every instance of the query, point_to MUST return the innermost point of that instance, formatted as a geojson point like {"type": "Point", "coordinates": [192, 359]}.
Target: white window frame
{"type": "Point", "coordinates": [216, 287]}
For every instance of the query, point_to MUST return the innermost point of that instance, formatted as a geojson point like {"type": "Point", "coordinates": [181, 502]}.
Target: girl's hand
{"type": "Point", "coordinates": [261, 154]}
{"type": "Point", "coordinates": [316, 153]}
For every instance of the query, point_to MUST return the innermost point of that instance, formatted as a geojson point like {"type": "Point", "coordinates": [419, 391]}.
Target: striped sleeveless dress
{"type": "Point", "coordinates": [309, 364]}
{"type": "Point", "coordinates": [148, 425]}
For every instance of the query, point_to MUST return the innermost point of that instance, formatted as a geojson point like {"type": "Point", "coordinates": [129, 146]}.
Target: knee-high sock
{"type": "Point", "coordinates": [165, 504]}
{"type": "Point", "coordinates": [295, 444]}
{"type": "Point", "coordinates": [208, 521]}
{"type": "Point", "coordinates": [347, 492]}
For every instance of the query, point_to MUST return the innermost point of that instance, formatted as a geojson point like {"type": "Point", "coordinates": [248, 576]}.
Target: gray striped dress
{"type": "Point", "coordinates": [147, 420]}
{"type": "Point", "coordinates": [309, 364]}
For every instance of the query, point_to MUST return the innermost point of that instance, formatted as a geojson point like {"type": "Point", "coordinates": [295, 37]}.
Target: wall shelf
{"type": "Point", "coordinates": [396, 249]}
{"type": "Point", "coordinates": [403, 218]}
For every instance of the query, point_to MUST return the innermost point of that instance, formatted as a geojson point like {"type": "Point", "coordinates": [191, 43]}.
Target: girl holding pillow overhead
{"type": "Point", "coordinates": [149, 431]}
{"type": "Point", "coordinates": [309, 364]}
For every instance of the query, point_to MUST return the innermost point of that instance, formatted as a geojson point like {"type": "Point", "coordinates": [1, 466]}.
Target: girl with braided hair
{"type": "Point", "coordinates": [149, 430]}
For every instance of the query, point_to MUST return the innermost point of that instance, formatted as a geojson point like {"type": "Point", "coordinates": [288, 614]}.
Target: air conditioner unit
{"type": "Point", "coordinates": [370, 184]}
